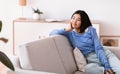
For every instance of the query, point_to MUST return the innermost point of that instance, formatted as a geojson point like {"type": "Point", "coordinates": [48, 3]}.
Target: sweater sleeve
{"type": "Point", "coordinates": [58, 32]}
{"type": "Point", "coordinates": [99, 49]}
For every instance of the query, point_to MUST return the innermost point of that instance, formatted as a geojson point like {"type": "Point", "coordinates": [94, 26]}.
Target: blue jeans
{"type": "Point", "coordinates": [113, 61]}
{"type": "Point", "coordinates": [94, 66]}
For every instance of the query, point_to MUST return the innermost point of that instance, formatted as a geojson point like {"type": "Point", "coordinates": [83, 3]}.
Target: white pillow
{"type": "Point", "coordinates": [22, 53]}
{"type": "Point", "coordinates": [80, 59]}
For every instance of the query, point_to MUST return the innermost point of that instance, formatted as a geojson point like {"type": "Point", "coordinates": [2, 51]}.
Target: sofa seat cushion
{"type": "Point", "coordinates": [79, 72]}
{"type": "Point", "coordinates": [41, 56]}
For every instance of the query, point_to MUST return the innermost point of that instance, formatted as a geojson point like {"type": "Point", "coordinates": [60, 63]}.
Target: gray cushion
{"type": "Point", "coordinates": [80, 59]}
{"type": "Point", "coordinates": [43, 56]}
{"type": "Point", "coordinates": [66, 53]}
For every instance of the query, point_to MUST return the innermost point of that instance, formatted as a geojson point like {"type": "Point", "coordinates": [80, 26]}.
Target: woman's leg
{"type": "Point", "coordinates": [113, 61]}
{"type": "Point", "coordinates": [93, 66]}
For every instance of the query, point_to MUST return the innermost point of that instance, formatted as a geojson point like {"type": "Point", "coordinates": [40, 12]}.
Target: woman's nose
{"type": "Point", "coordinates": [74, 21]}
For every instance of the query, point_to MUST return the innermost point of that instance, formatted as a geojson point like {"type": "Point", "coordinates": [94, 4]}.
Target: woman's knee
{"type": "Point", "coordinates": [94, 68]}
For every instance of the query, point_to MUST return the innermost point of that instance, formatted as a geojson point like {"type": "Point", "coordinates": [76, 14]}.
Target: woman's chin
{"type": "Point", "coordinates": [75, 28]}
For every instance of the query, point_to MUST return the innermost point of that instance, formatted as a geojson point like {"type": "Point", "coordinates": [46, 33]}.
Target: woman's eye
{"type": "Point", "coordinates": [73, 18]}
{"type": "Point", "coordinates": [78, 20]}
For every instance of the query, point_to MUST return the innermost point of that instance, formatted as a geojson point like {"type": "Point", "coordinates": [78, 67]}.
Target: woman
{"type": "Point", "coordinates": [82, 35]}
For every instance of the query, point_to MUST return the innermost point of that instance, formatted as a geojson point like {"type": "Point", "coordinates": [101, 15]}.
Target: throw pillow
{"type": "Point", "coordinates": [22, 53]}
{"type": "Point", "coordinates": [80, 59]}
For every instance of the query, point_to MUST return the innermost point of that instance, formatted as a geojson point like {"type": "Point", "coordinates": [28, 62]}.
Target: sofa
{"type": "Point", "coordinates": [51, 55]}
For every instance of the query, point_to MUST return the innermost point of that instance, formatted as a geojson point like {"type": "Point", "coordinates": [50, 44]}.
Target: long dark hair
{"type": "Point", "coordinates": [85, 21]}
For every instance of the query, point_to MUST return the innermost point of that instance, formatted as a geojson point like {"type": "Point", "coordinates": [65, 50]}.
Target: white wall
{"type": "Point", "coordinates": [8, 12]}
{"type": "Point", "coordinates": [106, 11]}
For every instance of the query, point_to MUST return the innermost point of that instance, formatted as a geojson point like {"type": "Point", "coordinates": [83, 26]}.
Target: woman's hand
{"type": "Point", "coordinates": [108, 71]}
{"type": "Point", "coordinates": [69, 28]}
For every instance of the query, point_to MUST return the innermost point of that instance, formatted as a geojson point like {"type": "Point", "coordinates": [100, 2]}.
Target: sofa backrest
{"type": "Point", "coordinates": [52, 54]}
{"type": "Point", "coordinates": [66, 53]}
{"type": "Point", "coordinates": [115, 50]}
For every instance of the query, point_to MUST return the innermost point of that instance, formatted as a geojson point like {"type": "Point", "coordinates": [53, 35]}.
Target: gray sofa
{"type": "Point", "coordinates": [52, 55]}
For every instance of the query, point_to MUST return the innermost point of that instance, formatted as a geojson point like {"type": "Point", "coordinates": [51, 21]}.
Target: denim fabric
{"type": "Point", "coordinates": [94, 66]}
{"type": "Point", "coordinates": [113, 61]}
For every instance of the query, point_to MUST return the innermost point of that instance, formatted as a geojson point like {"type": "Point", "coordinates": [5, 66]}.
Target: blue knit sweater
{"type": "Point", "coordinates": [87, 42]}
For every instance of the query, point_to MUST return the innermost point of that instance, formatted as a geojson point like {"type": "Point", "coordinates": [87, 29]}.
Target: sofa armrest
{"type": "Point", "coordinates": [115, 50]}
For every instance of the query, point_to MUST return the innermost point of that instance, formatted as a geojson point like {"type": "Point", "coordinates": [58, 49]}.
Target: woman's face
{"type": "Point", "coordinates": [76, 21]}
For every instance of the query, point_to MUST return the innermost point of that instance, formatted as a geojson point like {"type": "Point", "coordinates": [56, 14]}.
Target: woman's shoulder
{"type": "Point", "coordinates": [90, 28]}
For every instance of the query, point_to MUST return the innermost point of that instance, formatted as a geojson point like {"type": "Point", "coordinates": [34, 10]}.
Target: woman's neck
{"type": "Point", "coordinates": [77, 30]}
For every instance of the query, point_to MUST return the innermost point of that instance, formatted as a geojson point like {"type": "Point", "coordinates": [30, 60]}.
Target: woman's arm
{"type": "Point", "coordinates": [58, 32]}
{"type": "Point", "coordinates": [69, 28]}
{"type": "Point", "coordinates": [61, 31]}
{"type": "Point", "coordinates": [99, 49]}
